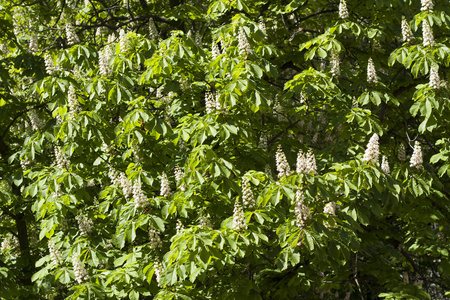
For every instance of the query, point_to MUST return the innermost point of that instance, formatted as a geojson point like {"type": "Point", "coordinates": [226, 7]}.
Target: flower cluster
{"type": "Point", "coordinates": [401, 152]}
{"type": "Point", "coordinates": [330, 208]}
{"type": "Point", "coordinates": [114, 176]}
{"type": "Point", "coordinates": [49, 65]}
{"type": "Point", "coordinates": [61, 160]}
{"type": "Point", "coordinates": [215, 52]}
{"type": "Point", "coordinates": [158, 271]}
{"type": "Point", "coordinates": [263, 141]}
{"type": "Point", "coordinates": [124, 41]}
{"type": "Point", "coordinates": [179, 226]}
{"type": "Point", "coordinates": [435, 82]}
{"type": "Point", "coordinates": [36, 122]}
{"type": "Point", "coordinates": [427, 34]}
{"type": "Point", "coordinates": [139, 198]}
{"type": "Point", "coordinates": [179, 174]}
{"type": "Point", "coordinates": [72, 37]}
{"type": "Point", "coordinates": [238, 217]}
{"type": "Point", "coordinates": [79, 271]}
{"type": "Point", "coordinates": [426, 5]}
{"type": "Point", "coordinates": [210, 103]}
{"type": "Point", "coordinates": [55, 255]}
{"type": "Point", "coordinates": [407, 34]}
{"type": "Point", "coordinates": [24, 163]}
{"type": "Point", "coordinates": [247, 194]}
{"type": "Point", "coordinates": [306, 163]}
{"type": "Point", "coordinates": [205, 222]}
{"type": "Point", "coordinates": [85, 225]}
{"type": "Point", "coordinates": [262, 26]}
{"type": "Point", "coordinates": [33, 45]}
{"type": "Point", "coordinates": [243, 44]}
{"type": "Point", "coordinates": [125, 184]}
{"type": "Point", "coordinates": [343, 11]}
{"type": "Point", "coordinates": [373, 149]}
{"type": "Point", "coordinates": [417, 156]}
{"type": "Point", "coordinates": [74, 106]}
{"type": "Point", "coordinates": [385, 165]}
{"type": "Point", "coordinates": [335, 64]}
{"type": "Point", "coordinates": [165, 186]}
{"type": "Point", "coordinates": [302, 212]}
{"type": "Point", "coordinates": [371, 72]}
{"type": "Point", "coordinates": [152, 31]}
{"type": "Point", "coordinates": [104, 57]}
{"type": "Point", "coordinates": [283, 167]}
{"type": "Point", "coordinates": [155, 240]}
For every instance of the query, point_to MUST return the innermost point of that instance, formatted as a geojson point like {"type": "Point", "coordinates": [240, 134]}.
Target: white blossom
{"type": "Point", "coordinates": [33, 45]}
{"type": "Point", "coordinates": [111, 38]}
{"type": "Point", "coordinates": [55, 255]}
{"type": "Point", "coordinates": [371, 72]}
{"type": "Point", "coordinates": [136, 153]}
{"type": "Point", "coordinates": [139, 198]}
{"type": "Point", "coordinates": [74, 105]}
{"type": "Point", "coordinates": [243, 44]}
{"type": "Point", "coordinates": [283, 167]}
{"type": "Point", "coordinates": [385, 165]}
{"type": "Point", "coordinates": [79, 271]}
{"type": "Point", "coordinates": [104, 57]}
{"type": "Point", "coordinates": [72, 37]}
{"type": "Point", "coordinates": [198, 39]}
{"type": "Point", "coordinates": [179, 226]}
{"type": "Point", "coordinates": [373, 149]}
{"type": "Point", "coordinates": [124, 41]}
{"type": "Point", "coordinates": [215, 52]}
{"type": "Point", "coordinates": [210, 102]}
{"type": "Point", "coordinates": [263, 141]}
{"type": "Point", "coordinates": [179, 174]}
{"type": "Point", "coordinates": [427, 5]}
{"type": "Point", "coordinates": [114, 176]}
{"type": "Point", "coordinates": [158, 270]}
{"type": "Point", "coordinates": [49, 65]}
{"type": "Point", "coordinates": [330, 208]}
{"type": "Point", "coordinates": [343, 11]}
{"type": "Point", "coordinates": [435, 82]}
{"type": "Point", "coordinates": [335, 64]}
{"type": "Point", "coordinates": [407, 34]}
{"type": "Point", "coordinates": [262, 26]}
{"type": "Point", "coordinates": [152, 31]}
{"type": "Point", "coordinates": [165, 186]}
{"type": "Point", "coordinates": [155, 239]}
{"type": "Point", "coordinates": [427, 33]}
{"type": "Point", "coordinates": [402, 152]}
{"type": "Point", "coordinates": [238, 217]}
{"type": "Point", "coordinates": [36, 122]}
{"type": "Point", "coordinates": [247, 194]}
{"type": "Point", "coordinates": [85, 225]}
{"type": "Point", "coordinates": [61, 160]}
{"type": "Point", "coordinates": [306, 163]}
{"type": "Point", "coordinates": [125, 184]}
{"type": "Point", "coordinates": [417, 156]}
{"type": "Point", "coordinates": [302, 212]}
{"type": "Point", "coordinates": [205, 222]}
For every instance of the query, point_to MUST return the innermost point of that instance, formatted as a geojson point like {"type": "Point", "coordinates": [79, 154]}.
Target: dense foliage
{"type": "Point", "coordinates": [224, 149]}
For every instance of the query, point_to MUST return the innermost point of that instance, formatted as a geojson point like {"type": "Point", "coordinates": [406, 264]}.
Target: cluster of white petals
{"type": "Point", "coordinates": [427, 34]}
{"type": "Point", "coordinates": [72, 37]}
{"type": "Point", "coordinates": [262, 26]}
{"type": "Point", "coordinates": [165, 186]}
{"type": "Point", "coordinates": [247, 194]}
{"type": "Point", "coordinates": [417, 156]}
{"type": "Point", "coordinates": [385, 165]}
{"type": "Point", "coordinates": [85, 225]}
{"type": "Point", "coordinates": [62, 161]}
{"type": "Point", "coordinates": [243, 44]}
{"type": "Point", "coordinates": [36, 122]}
{"type": "Point", "coordinates": [158, 271]}
{"type": "Point", "coordinates": [238, 217]}
{"type": "Point", "coordinates": [330, 208]}
{"type": "Point", "coordinates": [283, 167]}
{"type": "Point", "coordinates": [343, 11]}
{"type": "Point", "coordinates": [335, 64]}
{"type": "Point", "coordinates": [155, 239]}
{"type": "Point", "coordinates": [427, 5]}
{"type": "Point", "coordinates": [79, 271]}
{"type": "Point", "coordinates": [306, 164]}
{"type": "Point", "coordinates": [435, 82]}
{"type": "Point", "coordinates": [125, 184]}
{"type": "Point", "coordinates": [302, 212]}
{"type": "Point", "coordinates": [74, 105]}
{"type": "Point", "coordinates": [215, 52]}
{"type": "Point", "coordinates": [124, 41]}
{"type": "Point", "coordinates": [139, 198]}
{"type": "Point", "coordinates": [152, 31]}
{"type": "Point", "coordinates": [49, 65]}
{"type": "Point", "coordinates": [373, 149]}
{"type": "Point", "coordinates": [55, 255]}
{"type": "Point", "coordinates": [33, 45]}
{"type": "Point", "coordinates": [179, 226]}
{"type": "Point", "coordinates": [263, 141]}
{"type": "Point", "coordinates": [407, 34]}
{"type": "Point", "coordinates": [371, 72]}
{"type": "Point", "coordinates": [179, 174]}
{"type": "Point", "coordinates": [205, 222]}
{"type": "Point", "coordinates": [104, 57]}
